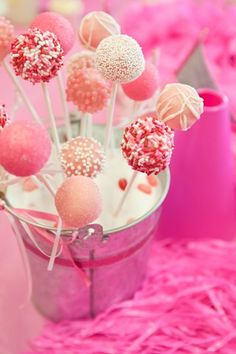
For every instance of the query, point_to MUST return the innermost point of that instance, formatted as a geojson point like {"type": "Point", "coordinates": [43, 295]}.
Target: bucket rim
{"type": "Point", "coordinates": [165, 179]}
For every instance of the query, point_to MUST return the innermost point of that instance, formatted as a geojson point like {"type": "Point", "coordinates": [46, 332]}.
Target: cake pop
{"type": "Point", "coordinates": [179, 106]}
{"type": "Point", "coordinates": [96, 26]}
{"type": "Point", "coordinates": [84, 59]}
{"type": "Point", "coordinates": [4, 118]}
{"type": "Point", "coordinates": [88, 90]}
{"type": "Point", "coordinates": [25, 148]}
{"type": "Point", "coordinates": [147, 145]}
{"type": "Point", "coordinates": [36, 56]}
{"type": "Point", "coordinates": [82, 156]}
{"type": "Point", "coordinates": [6, 36]}
{"type": "Point", "coordinates": [144, 86]}
{"type": "Point", "coordinates": [120, 58]}
{"type": "Point", "coordinates": [78, 201]}
{"type": "Point", "coordinates": [57, 24]}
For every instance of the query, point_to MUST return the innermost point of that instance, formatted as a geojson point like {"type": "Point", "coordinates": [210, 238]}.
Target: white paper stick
{"type": "Point", "coordinates": [51, 118]}
{"type": "Point", "coordinates": [111, 111]}
{"type": "Point", "coordinates": [65, 107]}
{"type": "Point", "coordinates": [21, 92]}
{"type": "Point", "coordinates": [126, 193]}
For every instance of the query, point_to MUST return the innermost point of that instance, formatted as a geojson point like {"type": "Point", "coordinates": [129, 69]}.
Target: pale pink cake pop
{"type": "Point", "coordinates": [147, 145]}
{"type": "Point", "coordinates": [25, 148]}
{"type": "Point", "coordinates": [144, 86]}
{"type": "Point", "coordinates": [120, 58]}
{"type": "Point", "coordinates": [36, 56]}
{"type": "Point", "coordinates": [84, 59]}
{"type": "Point", "coordinates": [57, 24]}
{"type": "Point", "coordinates": [96, 26]}
{"type": "Point", "coordinates": [6, 36]}
{"type": "Point", "coordinates": [88, 90]}
{"type": "Point", "coordinates": [82, 156]}
{"type": "Point", "coordinates": [4, 117]}
{"type": "Point", "coordinates": [179, 106]}
{"type": "Point", "coordinates": [78, 201]}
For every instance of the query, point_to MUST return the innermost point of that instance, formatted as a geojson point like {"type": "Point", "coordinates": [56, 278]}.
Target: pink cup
{"type": "Point", "coordinates": [201, 200]}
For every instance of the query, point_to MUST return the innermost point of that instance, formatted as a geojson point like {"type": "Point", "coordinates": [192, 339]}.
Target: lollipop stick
{"type": "Point", "coordinates": [110, 117]}
{"type": "Point", "coordinates": [89, 132]}
{"type": "Point", "coordinates": [21, 92]}
{"type": "Point", "coordinates": [83, 124]}
{"type": "Point", "coordinates": [55, 245]}
{"type": "Point", "coordinates": [65, 108]}
{"type": "Point", "coordinates": [91, 289]}
{"type": "Point", "coordinates": [51, 117]}
{"type": "Point", "coordinates": [126, 193]}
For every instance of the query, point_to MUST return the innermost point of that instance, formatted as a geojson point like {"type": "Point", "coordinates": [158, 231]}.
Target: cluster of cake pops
{"type": "Point", "coordinates": [110, 61]}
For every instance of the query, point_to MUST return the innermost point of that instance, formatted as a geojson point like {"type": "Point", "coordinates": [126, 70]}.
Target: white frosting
{"type": "Point", "coordinates": [136, 205]}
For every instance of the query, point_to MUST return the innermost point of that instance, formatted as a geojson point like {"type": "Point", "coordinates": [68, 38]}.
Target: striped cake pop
{"type": "Point", "coordinates": [82, 156]}
{"type": "Point", "coordinates": [96, 26]}
{"type": "Point", "coordinates": [179, 106]}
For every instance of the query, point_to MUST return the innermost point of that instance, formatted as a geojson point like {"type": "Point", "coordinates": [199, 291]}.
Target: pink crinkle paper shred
{"type": "Point", "coordinates": [186, 306]}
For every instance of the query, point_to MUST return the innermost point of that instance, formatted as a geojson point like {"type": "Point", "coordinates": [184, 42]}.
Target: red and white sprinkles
{"type": "Point", "coordinates": [4, 118]}
{"type": "Point", "coordinates": [82, 156]}
{"type": "Point", "coordinates": [147, 145]}
{"type": "Point", "coordinates": [36, 56]}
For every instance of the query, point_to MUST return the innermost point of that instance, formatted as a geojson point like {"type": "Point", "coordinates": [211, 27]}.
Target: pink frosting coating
{"type": "Point", "coordinates": [88, 90]}
{"type": "Point", "coordinates": [147, 145]}
{"type": "Point", "coordinates": [78, 201]}
{"type": "Point", "coordinates": [59, 25]}
{"type": "Point", "coordinates": [25, 148]}
{"type": "Point", "coordinates": [144, 86]}
{"type": "Point", "coordinates": [6, 36]}
{"type": "Point", "coordinates": [82, 156]}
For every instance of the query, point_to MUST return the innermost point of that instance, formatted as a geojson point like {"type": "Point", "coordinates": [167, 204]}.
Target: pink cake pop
{"type": "Point", "coordinates": [88, 90]}
{"type": "Point", "coordinates": [120, 58]}
{"type": "Point", "coordinates": [4, 118]}
{"type": "Point", "coordinates": [78, 201]}
{"type": "Point", "coordinates": [25, 148]}
{"type": "Point", "coordinates": [84, 59]}
{"type": "Point", "coordinates": [6, 36]}
{"type": "Point", "coordinates": [96, 26]}
{"type": "Point", "coordinates": [179, 106]}
{"type": "Point", "coordinates": [57, 24]}
{"type": "Point", "coordinates": [82, 156]}
{"type": "Point", "coordinates": [144, 86]}
{"type": "Point", "coordinates": [147, 145]}
{"type": "Point", "coordinates": [36, 56]}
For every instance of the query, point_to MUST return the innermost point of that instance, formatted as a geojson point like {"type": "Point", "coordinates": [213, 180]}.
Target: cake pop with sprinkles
{"type": "Point", "coordinates": [25, 147]}
{"type": "Point", "coordinates": [144, 86]}
{"type": "Point", "coordinates": [120, 58]}
{"type": "Point", "coordinates": [78, 201]}
{"type": "Point", "coordinates": [6, 37]}
{"type": "Point", "coordinates": [82, 156]}
{"type": "Point", "coordinates": [4, 117]}
{"type": "Point", "coordinates": [96, 26]}
{"type": "Point", "coordinates": [147, 145]}
{"type": "Point", "coordinates": [88, 90]}
{"type": "Point", "coordinates": [36, 56]}
{"type": "Point", "coordinates": [179, 106]}
{"type": "Point", "coordinates": [84, 59]}
{"type": "Point", "coordinates": [57, 24]}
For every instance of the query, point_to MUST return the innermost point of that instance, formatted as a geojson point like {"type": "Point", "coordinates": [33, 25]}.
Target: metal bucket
{"type": "Point", "coordinates": [115, 261]}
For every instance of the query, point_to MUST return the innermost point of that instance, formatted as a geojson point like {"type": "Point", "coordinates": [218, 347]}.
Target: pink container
{"type": "Point", "coordinates": [201, 200]}
{"type": "Point", "coordinates": [115, 261]}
